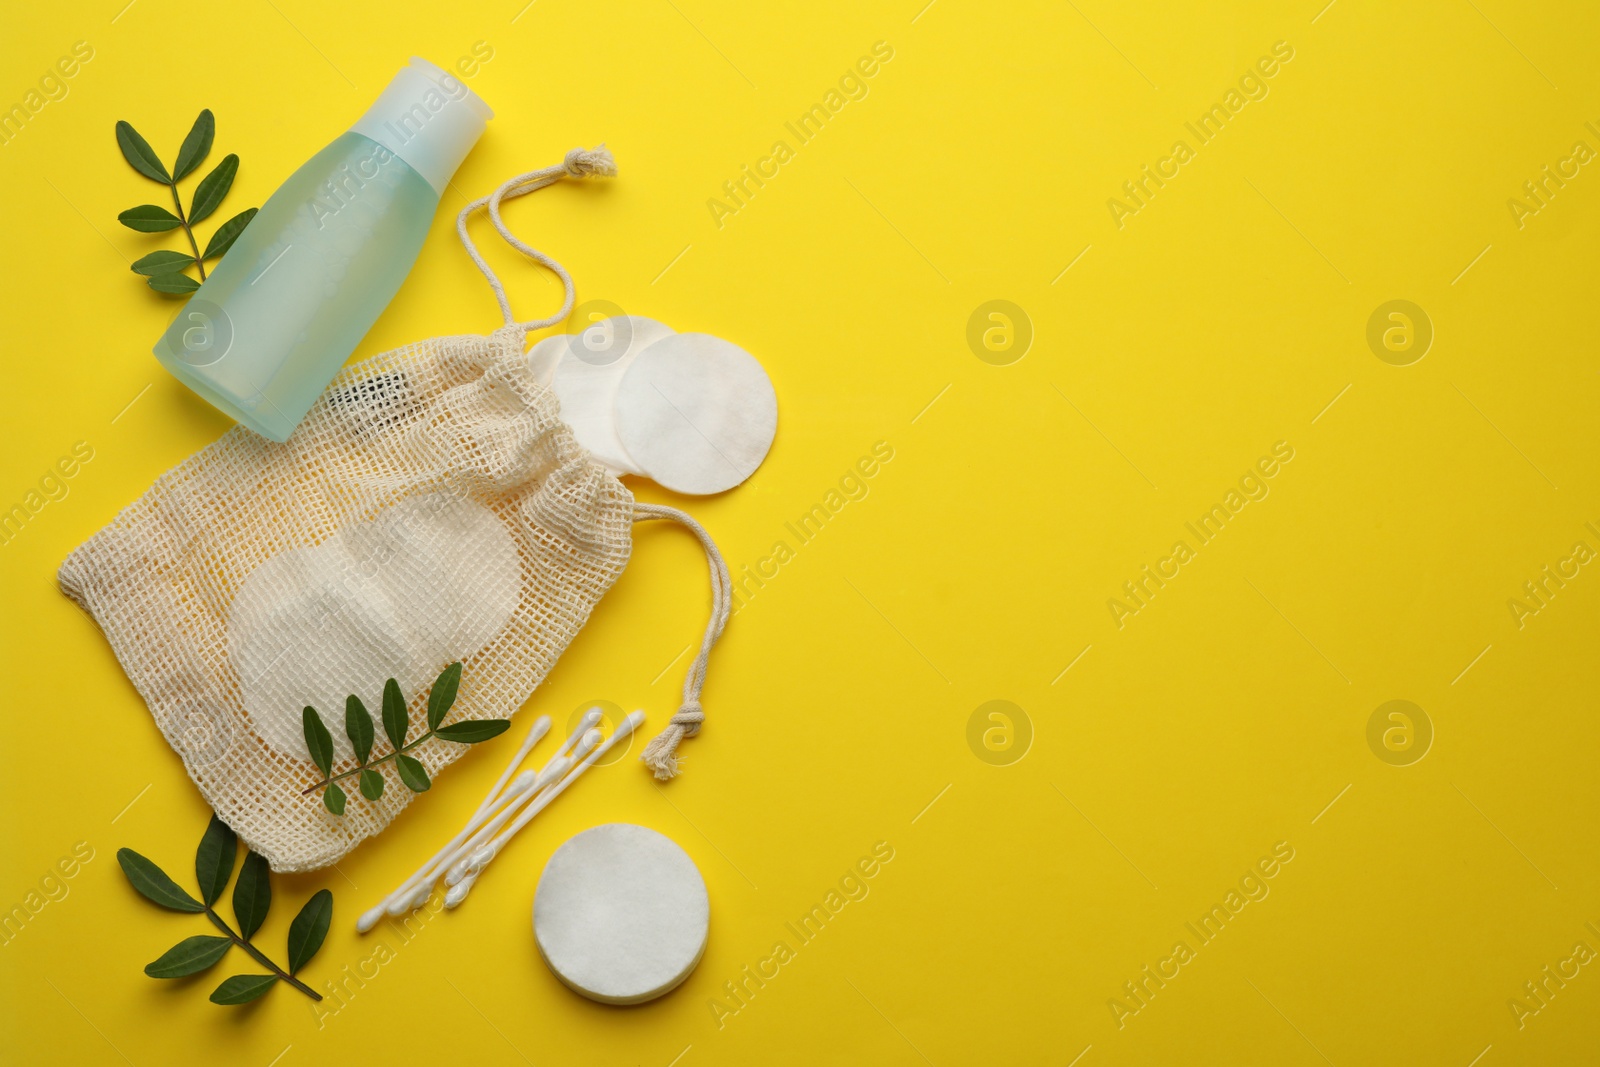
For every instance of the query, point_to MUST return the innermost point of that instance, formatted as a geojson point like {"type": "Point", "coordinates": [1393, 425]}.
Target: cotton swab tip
{"type": "Point", "coordinates": [557, 769]}
{"type": "Point", "coordinates": [480, 860]}
{"type": "Point", "coordinates": [454, 898]}
{"type": "Point", "coordinates": [397, 906]}
{"type": "Point", "coordinates": [369, 919]}
{"type": "Point", "coordinates": [458, 872]}
{"type": "Point", "coordinates": [420, 897]}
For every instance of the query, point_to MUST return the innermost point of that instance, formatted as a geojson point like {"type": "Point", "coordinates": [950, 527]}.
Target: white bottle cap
{"type": "Point", "coordinates": [429, 119]}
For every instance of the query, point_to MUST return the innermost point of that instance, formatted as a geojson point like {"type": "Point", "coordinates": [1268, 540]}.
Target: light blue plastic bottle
{"type": "Point", "coordinates": [269, 328]}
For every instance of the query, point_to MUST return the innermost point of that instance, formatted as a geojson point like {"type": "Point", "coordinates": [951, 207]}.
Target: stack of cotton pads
{"type": "Point", "coordinates": [621, 914]}
{"type": "Point", "coordinates": [693, 413]}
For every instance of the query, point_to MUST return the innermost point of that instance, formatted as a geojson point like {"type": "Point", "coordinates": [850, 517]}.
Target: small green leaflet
{"type": "Point", "coordinates": [152, 882]}
{"type": "Point", "coordinates": [149, 218]}
{"type": "Point", "coordinates": [173, 283]}
{"type": "Point", "coordinates": [252, 895]}
{"type": "Point", "coordinates": [227, 233]}
{"type": "Point", "coordinates": [334, 799]}
{"type": "Point", "coordinates": [473, 730]}
{"type": "Point", "coordinates": [137, 151]}
{"type": "Point", "coordinates": [212, 188]}
{"type": "Point", "coordinates": [195, 146]}
{"type": "Point", "coordinates": [358, 725]}
{"type": "Point", "coordinates": [163, 262]}
{"type": "Point", "coordinates": [371, 783]}
{"type": "Point", "coordinates": [412, 773]}
{"type": "Point", "coordinates": [443, 695]}
{"type": "Point", "coordinates": [213, 861]}
{"type": "Point", "coordinates": [394, 714]}
{"type": "Point", "coordinates": [318, 741]}
{"type": "Point", "coordinates": [243, 988]}
{"type": "Point", "coordinates": [308, 929]}
{"type": "Point", "coordinates": [189, 956]}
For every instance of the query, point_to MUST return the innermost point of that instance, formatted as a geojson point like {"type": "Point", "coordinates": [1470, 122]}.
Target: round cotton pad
{"type": "Point", "coordinates": [697, 413]}
{"type": "Point", "coordinates": [587, 370]}
{"type": "Point", "coordinates": [621, 914]}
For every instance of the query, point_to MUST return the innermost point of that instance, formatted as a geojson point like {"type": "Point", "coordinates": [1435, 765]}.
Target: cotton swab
{"type": "Point", "coordinates": [483, 856]}
{"type": "Point", "coordinates": [456, 865]}
{"type": "Point", "coordinates": [403, 895]}
{"type": "Point", "coordinates": [482, 838]}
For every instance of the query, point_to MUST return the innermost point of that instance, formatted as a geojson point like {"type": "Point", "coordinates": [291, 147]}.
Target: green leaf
{"type": "Point", "coordinates": [358, 724]}
{"type": "Point", "coordinates": [443, 695]}
{"type": "Point", "coordinates": [242, 988]}
{"type": "Point", "coordinates": [172, 283]}
{"type": "Point", "coordinates": [196, 145]}
{"type": "Point", "coordinates": [152, 882]}
{"type": "Point", "coordinates": [333, 798]}
{"type": "Point", "coordinates": [163, 262]}
{"type": "Point", "coordinates": [140, 156]}
{"type": "Point", "coordinates": [371, 784]}
{"type": "Point", "coordinates": [212, 188]}
{"type": "Point", "coordinates": [473, 731]}
{"type": "Point", "coordinates": [308, 929]}
{"type": "Point", "coordinates": [318, 741]}
{"type": "Point", "coordinates": [252, 895]}
{"type": "Point", "coordinates": [149, 218]}
{"type": "Point", "coordinates": [213, 861]}
{"type": "Point", "coordinates": [227, 233]}
{"type": "Point", "coordinates": [189, 956]}
{"type": "Point", "coordinates": [394, 714]}
{"type": "Point", "coordinates": [412, 773]}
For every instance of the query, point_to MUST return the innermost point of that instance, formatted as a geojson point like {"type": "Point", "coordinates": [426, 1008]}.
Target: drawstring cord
{"type": "Point", "coordinates": [661, 754]}
{"type": "Point", "coordinates": [580, 163]}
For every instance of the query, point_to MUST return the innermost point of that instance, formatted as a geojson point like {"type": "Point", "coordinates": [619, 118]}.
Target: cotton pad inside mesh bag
{"type": "Point", "coordinates": [431, 508]}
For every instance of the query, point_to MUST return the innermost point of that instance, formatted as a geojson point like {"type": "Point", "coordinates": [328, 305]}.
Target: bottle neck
{"type": "Point", "coordinates": [428, 119]}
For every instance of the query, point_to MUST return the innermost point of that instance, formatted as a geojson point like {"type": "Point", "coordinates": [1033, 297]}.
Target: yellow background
{"type": "Point", "coordinates": [1227, 715]}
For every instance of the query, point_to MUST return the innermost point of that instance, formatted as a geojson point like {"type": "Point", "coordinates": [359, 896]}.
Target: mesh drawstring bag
{"type": "Point", "coordinates": [432, 507]}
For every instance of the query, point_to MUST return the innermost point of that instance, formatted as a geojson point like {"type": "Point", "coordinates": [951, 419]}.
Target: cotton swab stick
{"type": "Point", "coordinates": [483, 856]}
{"type": "Point", "coordinates": [414, 893]}
{"type": "Point", "coordinates": [369, 918]}
{"type": "Point", "coordinates": [456, 865]}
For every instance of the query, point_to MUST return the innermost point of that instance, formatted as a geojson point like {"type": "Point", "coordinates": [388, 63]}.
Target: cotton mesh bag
{"type": "Point", "coordinates": [431, 508]}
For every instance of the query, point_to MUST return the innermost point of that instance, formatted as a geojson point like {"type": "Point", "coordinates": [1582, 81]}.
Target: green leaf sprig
{"type": "Point", "coordinates": [359, 728]}
{"type": "Point", "coordinates": [164, 270]}
{"type": "Point", "coordinates": [252, 897]}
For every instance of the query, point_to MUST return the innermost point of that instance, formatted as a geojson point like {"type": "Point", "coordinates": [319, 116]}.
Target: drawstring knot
{"type": "Point", "coordinates": [689, 716]}
{"type": "Point", "coordinates": [661, 754]}
{"type": "Point", "coordinates": [590, 163]}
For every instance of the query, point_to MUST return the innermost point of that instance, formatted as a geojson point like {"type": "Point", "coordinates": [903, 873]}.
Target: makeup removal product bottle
{"type": "Point", "coordinates": [284, 308]}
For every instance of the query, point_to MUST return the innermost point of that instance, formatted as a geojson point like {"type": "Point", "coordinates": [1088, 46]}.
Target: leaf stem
{"type": "Point", "coordinates": [183, 220]}
{"type": "Point", "coordinates": [370, 763]}
{"type": "Point", "coordinates": [260, 957]}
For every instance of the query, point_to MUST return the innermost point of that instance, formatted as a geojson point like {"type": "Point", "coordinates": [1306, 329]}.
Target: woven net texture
{"type": "Point", "coordinates": [432, 507]}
